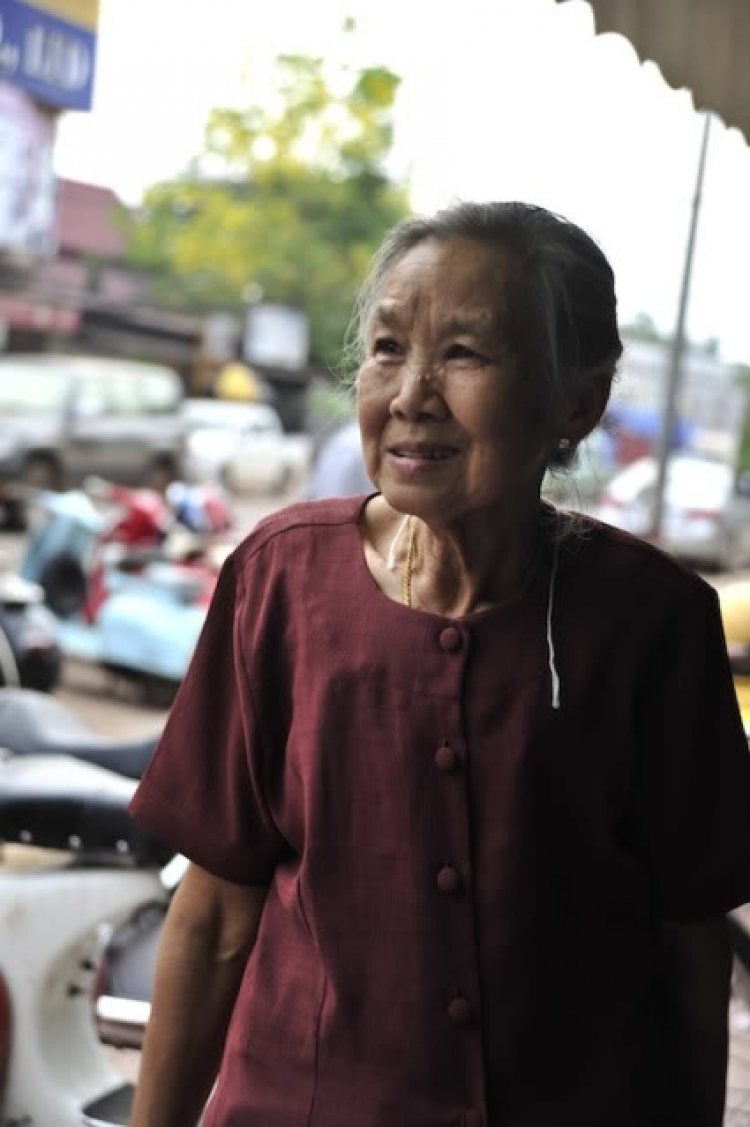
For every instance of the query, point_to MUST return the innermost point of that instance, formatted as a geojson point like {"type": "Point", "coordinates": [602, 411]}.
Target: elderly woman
{"type": "Point", "coordinates": [462, 779]}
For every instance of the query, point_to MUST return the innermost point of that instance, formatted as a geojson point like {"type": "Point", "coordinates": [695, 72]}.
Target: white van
{"type": "Point", "coordinates": [67, 417]}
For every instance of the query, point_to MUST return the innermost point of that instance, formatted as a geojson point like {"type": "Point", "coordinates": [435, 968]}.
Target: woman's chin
{"type": "Point", "coordinates": [419, 500]}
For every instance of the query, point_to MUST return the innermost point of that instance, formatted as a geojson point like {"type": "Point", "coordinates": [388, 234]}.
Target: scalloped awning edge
{"type": "Point", "coordinates": [701, 45]}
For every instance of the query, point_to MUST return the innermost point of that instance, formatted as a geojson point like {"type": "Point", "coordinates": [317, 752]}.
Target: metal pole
{"type": "Point", "coordinates": [669, 414]}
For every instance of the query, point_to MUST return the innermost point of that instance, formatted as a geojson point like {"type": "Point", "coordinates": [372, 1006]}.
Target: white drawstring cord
{"type": "Point", "coordinates": [391, 561]}
{"type": "Point", "coordinates": [550, 640]}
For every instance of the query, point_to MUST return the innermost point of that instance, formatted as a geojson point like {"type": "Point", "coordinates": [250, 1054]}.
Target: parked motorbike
{"type": "Point", "coordinates": [76, 866]}
{"type": "Point", "coordinates": [33, 725]}
{"type": "Point", "coordinates": [119, 599]}
{"type": "Point", "coordinates": [29, 652]}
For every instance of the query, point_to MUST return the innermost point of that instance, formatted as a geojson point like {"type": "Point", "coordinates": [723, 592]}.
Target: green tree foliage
{"type": "Point", "coordinates": [642, 327]}
{"type": "Point", "coordinates": [293, 199]}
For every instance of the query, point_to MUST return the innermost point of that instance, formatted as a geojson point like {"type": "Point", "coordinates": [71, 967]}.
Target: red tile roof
{"type": "Point", "coordinates": [86, 220]}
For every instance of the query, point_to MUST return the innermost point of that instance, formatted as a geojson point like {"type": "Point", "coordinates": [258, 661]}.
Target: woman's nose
{"type": "Point", "coordinates": [419, 394]}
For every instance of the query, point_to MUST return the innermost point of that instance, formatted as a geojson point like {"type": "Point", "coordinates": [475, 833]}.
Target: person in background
{"type": "Point", "coordinates": [461, 777]}
{"type": "Point", "coordinates": [339, 470]}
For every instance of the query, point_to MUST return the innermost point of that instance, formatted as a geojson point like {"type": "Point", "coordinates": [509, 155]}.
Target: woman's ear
{"type": "Point", "coordinates": [586, 407]}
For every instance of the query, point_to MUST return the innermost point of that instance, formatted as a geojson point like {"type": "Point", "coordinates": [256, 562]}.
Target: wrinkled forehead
{"type": "Point", "coordinates": [457, 282]}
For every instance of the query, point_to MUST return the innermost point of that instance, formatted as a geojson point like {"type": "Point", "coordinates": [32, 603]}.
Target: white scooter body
{"type": "Point", "coordinates": [49, 939]}
{"type": "Point", "coordinates": [54, 916]}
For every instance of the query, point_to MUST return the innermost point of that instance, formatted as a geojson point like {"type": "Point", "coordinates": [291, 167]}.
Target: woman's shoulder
{"type": "Point", "coordinates": [617, 564]}
{"type": "Point", "coordinates": [304, 521]}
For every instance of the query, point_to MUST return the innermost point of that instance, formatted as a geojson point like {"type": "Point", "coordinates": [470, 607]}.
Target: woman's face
{"type": "Point", "coordinates": [451, 423]}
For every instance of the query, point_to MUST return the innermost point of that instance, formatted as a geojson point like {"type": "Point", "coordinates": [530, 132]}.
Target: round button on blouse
{"type": "Point", "coordinates": [446, 759]}
{"type": "Point", "coordinates": [448, 879]}
{"type": "Point", "coordinates": [459, 1011]}
{"type": "Point", "coordinates": [450, 639]}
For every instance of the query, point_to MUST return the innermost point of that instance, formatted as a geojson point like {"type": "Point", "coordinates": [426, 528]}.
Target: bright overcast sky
{"type": "Point", "coordinates": [500, 99]}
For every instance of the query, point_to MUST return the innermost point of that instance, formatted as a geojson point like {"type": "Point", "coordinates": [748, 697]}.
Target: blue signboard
{"type": "Point", "coordinates": [49, 57]}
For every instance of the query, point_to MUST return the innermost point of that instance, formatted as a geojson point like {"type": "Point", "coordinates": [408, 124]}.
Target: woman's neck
{"type": "Point", "coordinates": [474, 564]}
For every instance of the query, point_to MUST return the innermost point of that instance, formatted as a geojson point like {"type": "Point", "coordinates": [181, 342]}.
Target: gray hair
{"type": "Point", "coordinates": [561, 296]}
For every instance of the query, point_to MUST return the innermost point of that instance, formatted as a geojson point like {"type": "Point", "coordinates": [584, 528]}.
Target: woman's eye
{"type": "Point", "coordinates": [385, 346]}
{"type": "Point", "coordinates": [463, 352]}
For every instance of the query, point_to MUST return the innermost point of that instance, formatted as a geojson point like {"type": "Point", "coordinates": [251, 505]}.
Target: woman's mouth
{"type": "Point", "coordinates": [413, 457]}
{"type": "Point", "coordinates": [432, 452]}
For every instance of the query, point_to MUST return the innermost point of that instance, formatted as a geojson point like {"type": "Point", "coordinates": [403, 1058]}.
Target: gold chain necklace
{"type": "Point", "coordinates": [408, 565]}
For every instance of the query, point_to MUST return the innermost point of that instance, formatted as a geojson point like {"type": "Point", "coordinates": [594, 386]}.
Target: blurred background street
{"type": "Point", "coordinates": [108, 704]}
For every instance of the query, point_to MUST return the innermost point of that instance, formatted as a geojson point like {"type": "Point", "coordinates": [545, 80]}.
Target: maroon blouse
{"type": "Point", "coordinates": [465, 881]}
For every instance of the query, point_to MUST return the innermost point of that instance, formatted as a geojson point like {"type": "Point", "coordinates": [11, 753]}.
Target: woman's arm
{"type": "Point", "coordinates": [208, 936]}
{"type": "Point", "coordinates": [700, 969]}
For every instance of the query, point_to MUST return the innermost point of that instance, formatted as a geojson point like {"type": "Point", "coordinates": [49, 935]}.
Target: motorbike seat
{"type": "Point", "coordinates": [56, 802]}
{"type": "Point", "coordinates": [33, 723]}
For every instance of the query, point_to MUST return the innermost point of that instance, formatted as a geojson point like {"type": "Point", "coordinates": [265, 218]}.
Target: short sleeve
{"type": "Point", "coordinates": [692, 807]}
{"type": "Point", "coordinates": [203, 792]}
